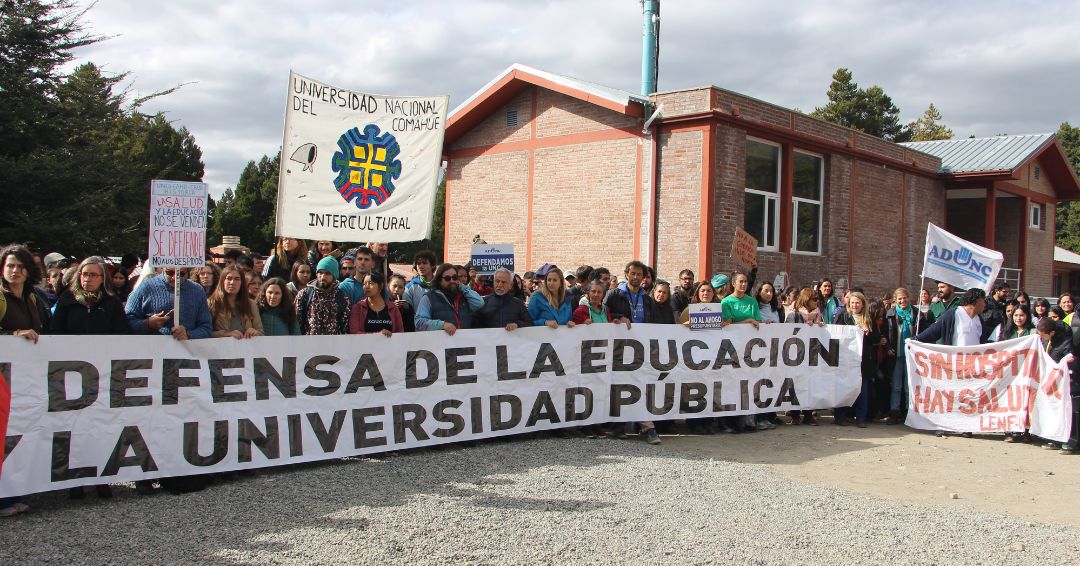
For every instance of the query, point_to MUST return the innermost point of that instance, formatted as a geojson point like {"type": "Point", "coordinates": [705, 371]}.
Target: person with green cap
{"type": "Point", "coordinates": [321, 307]}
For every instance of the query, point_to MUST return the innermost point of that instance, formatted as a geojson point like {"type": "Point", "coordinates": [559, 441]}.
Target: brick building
{"type": "Point", "coordinates": [575, 173]}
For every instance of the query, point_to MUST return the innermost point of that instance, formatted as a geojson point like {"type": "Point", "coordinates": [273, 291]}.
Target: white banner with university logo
{"type": "Point", "coordinates": [991, 388]}
{"type": "Point", "coordinates": [358, 167]}
{"type": "Point", "coordinates": [94, 409]}
{"type": "Point", "coordinates": [959, 262]}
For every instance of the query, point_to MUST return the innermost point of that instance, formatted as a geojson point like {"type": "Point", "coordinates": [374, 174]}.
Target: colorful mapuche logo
{"type": "Point", "coordinates": [366, 166]}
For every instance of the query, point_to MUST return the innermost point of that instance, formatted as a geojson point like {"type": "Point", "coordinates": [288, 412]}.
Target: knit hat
{"type": "Point", "coordinates": [328, 264]}
{"type": "Point", "coordinates": [720, 280]}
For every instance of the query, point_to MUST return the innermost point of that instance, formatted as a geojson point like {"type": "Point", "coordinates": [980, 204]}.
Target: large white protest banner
{"type": "Point", "coordinates": [358, 167]}
{"type": "Point", "coordinates": [959, 262]}
{"type": "Point", "coordinates": [94, 409]}
{"type": "Point", "coordinates": [178, 213]}
{"type": "Point", "coordinates": [992, 388]}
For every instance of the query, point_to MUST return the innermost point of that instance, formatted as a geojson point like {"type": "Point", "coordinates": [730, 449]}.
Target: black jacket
{"type": "Point", "coordinates": [892, 328]}
{"type": "Point", "coordinates": [993, 316]}
{"type": "Point", "coordinates": [500, 310]}
{"type": "Point", "coordinates": [619, 305]}
{"type": "Point", "coordinates": [105, 317]}
{"type": "Point", "coordinates": [942, 331]}
{"type": "Point", "coordinates": [1060, 343]}
{"type": "Point", "coordinates": [870, 340]}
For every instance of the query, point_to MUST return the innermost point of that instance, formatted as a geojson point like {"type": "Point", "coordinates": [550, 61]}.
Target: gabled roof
{"type": "Point", "coordinates": [972, 155]}
{"type": "Point", "coordinates": [517, 77]}
{"type": "Point", "coordinates": [1002, 157]}
{"type": "Point", "coordinates": [1063, 255]}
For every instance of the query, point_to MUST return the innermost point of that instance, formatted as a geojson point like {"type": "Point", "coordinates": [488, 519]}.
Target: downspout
{"type": "Point", "coordinates": [650, 45]}
{"type": "Point", "coordinates": [650, 54]}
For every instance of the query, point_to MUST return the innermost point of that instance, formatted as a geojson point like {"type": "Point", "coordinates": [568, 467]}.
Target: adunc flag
{"type": "Point", "coordinates": [358, 167]}
{"type": "Point", "coordinates": [959, 262]}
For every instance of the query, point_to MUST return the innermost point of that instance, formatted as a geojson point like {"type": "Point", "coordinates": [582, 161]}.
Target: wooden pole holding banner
{"type": "Point", "coordinates": [176, 297]}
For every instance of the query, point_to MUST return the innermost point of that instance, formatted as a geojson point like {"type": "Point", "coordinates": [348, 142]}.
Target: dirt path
{"type": "Point", "coordinates": [899, 463]}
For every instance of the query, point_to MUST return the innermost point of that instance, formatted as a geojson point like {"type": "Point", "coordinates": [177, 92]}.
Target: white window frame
{"type": "Point", "coordinates": [820, 202]}
{"type": "Point", "coordinates": [773, 197]}
{"type": "Point", "coordinates": [1035, 216]}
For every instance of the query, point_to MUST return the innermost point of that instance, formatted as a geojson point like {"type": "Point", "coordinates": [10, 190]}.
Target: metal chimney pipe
{"type": "Point", "coordinates": [650, 45]}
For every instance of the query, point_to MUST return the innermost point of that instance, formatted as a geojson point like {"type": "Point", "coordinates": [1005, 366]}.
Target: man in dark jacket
{"type": "Point", "coordinates": [994, 315]}
{"type": "Point", "coordinates": [501, 309]}
{"type": "Point", "coordinates": [629, 301]}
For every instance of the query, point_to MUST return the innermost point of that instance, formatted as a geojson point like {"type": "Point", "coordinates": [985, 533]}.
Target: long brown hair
{"type": "Point", "coordinates": [557, 299]}
{"type": "Point", "coordinates": [287, 310]}
{"type": "Point", "coordinates": [283, 258]}
{"type": "Point", "coordinates": [222, 303]}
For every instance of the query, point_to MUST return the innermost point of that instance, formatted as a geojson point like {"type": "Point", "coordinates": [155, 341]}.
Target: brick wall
{"type": "Point", "coordinates": [878, 232]}
{"type": "Point", "coordinates": [583, 205]}
{"type": "Point", "coordinates": [493, 129]}
{"type": "Point", "coordinates": [1038, 273]}
{"type": "Point", "coordinates": [684, 102]}
{"type": "Point", "coordinates": [678, 210]}
{"type": "Point", "coordinates": [558, 115]}
{"type": "Point", "coordinates": [471, 184]}
{"type": "Point", "coordinates": [583, 197]}
{"type": "Point", "coordinates": [1009, 219]}
{"type": "Point", "coordinates": [923, 204]}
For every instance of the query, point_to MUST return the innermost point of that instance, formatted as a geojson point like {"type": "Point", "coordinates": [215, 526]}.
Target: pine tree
{"type": "Point", "coordinates": [868, 110]}
{"type": "Point", "coordinates": [1068, 213]}
{"type": "Point", "coordinates": [929, 127]}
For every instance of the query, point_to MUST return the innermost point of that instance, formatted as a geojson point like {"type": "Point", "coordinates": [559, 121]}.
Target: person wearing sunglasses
{"type": "Point", "coordinates": [449, 305]}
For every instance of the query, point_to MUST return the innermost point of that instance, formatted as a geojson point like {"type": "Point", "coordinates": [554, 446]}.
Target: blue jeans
{"type": "Point", "coordinates": [862, 403]}
{"type": "Point", "coordinates": [899, 385]}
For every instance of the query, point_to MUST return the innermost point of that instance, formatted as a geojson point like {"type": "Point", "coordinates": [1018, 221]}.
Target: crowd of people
{"type": "Point", "coordinates": [326, 289]}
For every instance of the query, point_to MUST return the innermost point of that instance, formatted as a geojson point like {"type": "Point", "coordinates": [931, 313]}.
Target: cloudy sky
{"type": "Point", "coordinates": [990, 66]}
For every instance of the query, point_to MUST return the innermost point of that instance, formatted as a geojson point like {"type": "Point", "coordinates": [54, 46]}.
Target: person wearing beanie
{"type": "Point", "coordinates": [321, 307]}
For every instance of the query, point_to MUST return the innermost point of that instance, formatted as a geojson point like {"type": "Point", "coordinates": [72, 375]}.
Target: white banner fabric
{"type": "Point", "coordinates": [991, 388]}
{"type": "Point", "coordinates": [99, 409]}
{"type": "Point", "coordinates": [358, 167]}
{"type": "Point", "coordinates": [959, 262]}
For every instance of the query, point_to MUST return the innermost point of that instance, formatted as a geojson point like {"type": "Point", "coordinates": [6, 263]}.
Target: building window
{"type": "Point", "coordinates": [806, 203]}
{"type": "Point", "coordinates": [762, 205]}
{"type": "Point", "coordinates": [1038, 214]}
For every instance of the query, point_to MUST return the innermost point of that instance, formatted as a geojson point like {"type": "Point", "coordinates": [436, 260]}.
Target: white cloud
{"type": "Point", "coordinates": [990, 67]}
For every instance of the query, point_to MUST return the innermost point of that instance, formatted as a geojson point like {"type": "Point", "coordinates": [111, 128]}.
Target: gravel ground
{"type": "Point", "coordinates": [542, 501]}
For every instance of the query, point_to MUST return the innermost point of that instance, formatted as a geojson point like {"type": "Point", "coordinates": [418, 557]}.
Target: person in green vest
{"type": "Point", "coordinates": [947, 299]}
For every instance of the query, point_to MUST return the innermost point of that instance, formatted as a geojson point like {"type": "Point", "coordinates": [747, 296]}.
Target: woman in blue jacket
{"type": "Point", "coordinates": [549, 305]}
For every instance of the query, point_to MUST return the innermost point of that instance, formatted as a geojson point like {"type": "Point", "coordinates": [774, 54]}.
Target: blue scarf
{"type": "Point", "coordinates": [907, 318]}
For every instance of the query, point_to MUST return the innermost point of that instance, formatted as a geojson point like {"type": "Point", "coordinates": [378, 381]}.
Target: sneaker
{"type": "Point", "coordinates": [726, 429]}
{"type": "Point", "coordinates": [1010, 438]}
{"type": "Point", "coordinates": [860, 424]}
{"type": "Point", "coordinates": [810, 421]}
{"type": "Point", "coordinates": [940, 434]}
{"type": "Point", "coordinates": [892, 419]}
{"type": "Point", "coordinates": [1051, 446]}
{"type": "Point", "coordinates": [765, 425]}
{"type": "Point", "coordinates": [965, 434]}
{"type": "Point", "coordinates": [651, 437]}
{"type": "Point", "coordinates": [796, 420]}
{"type": "Point", "coordinates": [1067, 450]}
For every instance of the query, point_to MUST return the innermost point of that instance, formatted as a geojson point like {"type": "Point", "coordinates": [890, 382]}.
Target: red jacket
{"type": "Point", "coordinates": [581, 314]}
{"type": "Point", "coordinates": [359, 314]}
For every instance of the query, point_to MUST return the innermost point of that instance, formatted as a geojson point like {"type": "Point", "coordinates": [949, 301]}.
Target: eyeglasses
{"type": "Point", "coordinates": [449, 278]}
